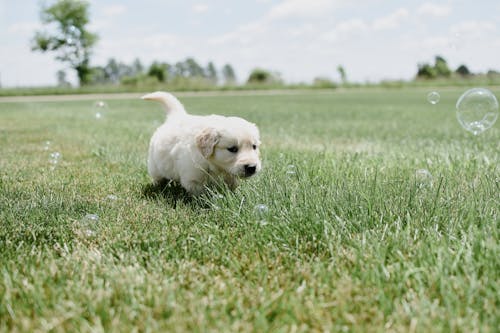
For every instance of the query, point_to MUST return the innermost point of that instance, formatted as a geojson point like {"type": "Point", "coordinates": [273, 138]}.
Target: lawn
{"type": "Point", "coordinates": [342, 230]}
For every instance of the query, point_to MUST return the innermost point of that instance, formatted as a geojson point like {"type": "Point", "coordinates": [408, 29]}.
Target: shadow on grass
{"type": "Point", "coordinates": [168, 190]}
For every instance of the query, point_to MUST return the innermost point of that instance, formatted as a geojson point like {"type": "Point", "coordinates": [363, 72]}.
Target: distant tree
{"type": "Point", "coordinates": [211, 72]}
{"type": "Point", "coordinates": [462, 70]}
{"type": "Point", "coordinates": [159, 71]}
{"type": "Point", "coordinates": [61, 79]}
{"type": "Point", "coordinates": [441, 67]}
{"type": "Point", "coordinates": [342, 73]}
{"type": "Point", "coordinates": [137, 67]}
{"type": "Point", "coordinates": [228, 74]}
{"type": "Point", "coordinates": [112, 71]}
{"type": "Point", "coordinates": [259, 76]}
{"type": "Point", "coordinates": [426, 71]}
{"type": "Point", "coordinates": [180, 69]}
{"type": "Point", "coordinates": [193, 69]}
{"type": "Point", "coordinates": [99, 75]}
{"type": "Point", "coordinates": [71, 39]}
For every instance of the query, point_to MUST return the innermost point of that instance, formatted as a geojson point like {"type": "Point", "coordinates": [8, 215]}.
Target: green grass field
{"type": "Point", "coordinates": [351, 237]}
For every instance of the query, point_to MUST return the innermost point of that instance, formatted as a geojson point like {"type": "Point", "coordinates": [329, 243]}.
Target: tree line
{"type": "Point", "coordinates": [136, 73]}
{"type": "Point", "coordinates": [73, 43]}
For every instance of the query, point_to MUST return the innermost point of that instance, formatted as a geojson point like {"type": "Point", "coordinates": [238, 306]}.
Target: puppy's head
{"type": "Point", "coordinates": [233, 146]}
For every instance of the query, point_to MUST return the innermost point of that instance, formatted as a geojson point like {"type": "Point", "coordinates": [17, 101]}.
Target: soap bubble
{"type": "Point", "coordinates": [88, 225]}
{"type": "Point", "coordinates": [46, 145]}
{"type": "Point", "coordinates": [111, 197]}
{"type": "Point", "coordinates": [433, 97]}
{"type": "Point", "coordinates": [100, 108]}
{"type": "Point", "coordinates": [261, 210]}
{"type": "Point", "coordinates": [54, 159]}
{"type": "Point", "coordinates": [423, 178]}
{"type": "Point", "coordinates": [477, 110]}
{"type": "Point", "coordinates": [74, 31]}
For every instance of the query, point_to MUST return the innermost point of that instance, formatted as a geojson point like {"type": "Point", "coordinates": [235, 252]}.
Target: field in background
{"type": "Point", "coordinates": [339, 232]}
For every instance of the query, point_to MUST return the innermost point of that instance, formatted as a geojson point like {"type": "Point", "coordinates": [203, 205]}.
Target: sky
{"type": "Point", "coordinates": [373, 40]}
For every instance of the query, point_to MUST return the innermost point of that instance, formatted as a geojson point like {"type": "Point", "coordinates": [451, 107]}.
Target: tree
{"type": "Point", "coordinates": [342, 73]}
{"type": "Point", "coordinates": [441, 67]}
{"type": "Point", "coordinates": [211, 72]}
{"type": "Point", "coordinates": [159, 71]}
{"type": "Point", "coordinates": [228, 74]}
{"type": "Point", "coordinates": [259, 76]}
{"type": "Point", "coordinates": [70, 39]}
{"type": "Point", "coordinates": [426, 71]}
{"type": "Point", "coordinates": [193, 68]}
{"type": "Point", "coordinates": [61, 79]}
{"type": "Point", "coordinates": [462, 70]}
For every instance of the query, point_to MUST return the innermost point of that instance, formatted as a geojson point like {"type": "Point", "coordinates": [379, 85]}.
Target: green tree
{"type": "Point", "coordinates": [159, 71]}
{"type": "Point", "coordinates": [342, 73]}
{"type": "Point", "coordinates": [193, 69]}
{"type": "Point", "coordinates": [462, 70]}
{"type": "Point", "coordinates": [228, 74]}
{"type": "Point", "coordinates": [441, 67]}
{"type": "Point", "coordinates": [426, 71]}
{"type": "Point", "coordinates": [211, 72]}
{"type": "Point", "coordinates": [61, 79]}
{"type": "Point", "coordinates": [259, 75]}
{"type": "Point", "coordinates": [70, 37]}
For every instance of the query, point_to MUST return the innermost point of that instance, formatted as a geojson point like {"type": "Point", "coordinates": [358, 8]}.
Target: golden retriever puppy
{"type": "Point", "coordinates": [196, 150]}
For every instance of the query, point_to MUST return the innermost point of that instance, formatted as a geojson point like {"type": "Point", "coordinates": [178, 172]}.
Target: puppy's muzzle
{"type": "Point", "coordinates": [250, 169]}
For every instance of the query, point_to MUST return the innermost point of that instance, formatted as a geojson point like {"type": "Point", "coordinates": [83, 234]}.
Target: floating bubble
{"type": "Point", "coordinates": [100, 108]}
{"type": "Point", "coordinates": [423, 178]}
{"type": "Point", "coordinates": [74, 31]}
{"type": "Point", "coordinates": [261, 210]}
{"type": "Point", "coordinates": [111, 197]}
{"type": "Point", "coordinates": [433, 97]}
{"type": "Point", "coordinates": [477, 110]}
{"type": "Point", "coordinates": [290, 170]}
{"type": "Point", "coordinates": [91, 218]}
{"type": "Point", "coordinates": [54, 159]}
{"type": "Point", "coordinates": [88, 225]}
{"type": "Point", "coordinates": [46, 145]}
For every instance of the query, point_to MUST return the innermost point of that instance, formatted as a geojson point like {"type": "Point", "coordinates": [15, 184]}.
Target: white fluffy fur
{"type": "Point", "coordinates": [195, 150]}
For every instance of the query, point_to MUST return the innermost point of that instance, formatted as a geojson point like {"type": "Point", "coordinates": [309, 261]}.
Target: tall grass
{"type": "Point", "coordinates": [338, 233]}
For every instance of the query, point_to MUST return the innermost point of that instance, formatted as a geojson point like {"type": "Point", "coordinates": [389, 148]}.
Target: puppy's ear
{"type": "Point", "coordinates": [206, 141]}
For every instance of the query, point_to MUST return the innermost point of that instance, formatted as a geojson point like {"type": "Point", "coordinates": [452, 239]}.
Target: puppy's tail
{"type": "Point", "coordinates": [169, 102]}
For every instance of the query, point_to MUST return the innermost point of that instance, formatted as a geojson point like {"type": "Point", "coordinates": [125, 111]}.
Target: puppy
{"type": "Point", "coordinates": [197, 150]}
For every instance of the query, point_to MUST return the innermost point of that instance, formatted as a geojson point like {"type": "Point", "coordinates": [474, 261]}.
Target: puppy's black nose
{"type": "Point", "coordinates": [250, 169]}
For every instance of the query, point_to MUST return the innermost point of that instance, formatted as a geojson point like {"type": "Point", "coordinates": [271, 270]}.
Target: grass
{"type": "Point", "coordinates": [350, 238]}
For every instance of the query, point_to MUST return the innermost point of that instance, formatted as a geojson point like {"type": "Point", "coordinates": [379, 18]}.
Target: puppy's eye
{"type": "Point", "coordinates": [233, 149]}
{"type": "Point", "coordinates": [254, 147]}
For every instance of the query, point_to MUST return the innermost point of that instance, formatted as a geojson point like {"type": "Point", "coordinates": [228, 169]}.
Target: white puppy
{"type": "Point", "coordinates": [195, 150]}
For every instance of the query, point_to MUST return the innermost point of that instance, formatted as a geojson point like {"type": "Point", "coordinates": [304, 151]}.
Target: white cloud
{"type": "Point", "coordinates": [114, 10]}
{"type": "Point", "coordinates": [300, 8]}
{"type": "Point", "coordinates": [392, 21]}
{"type": "Point", "coordinates": [434, 10]}
{"type": "Point", "coordinates": [345, 30]}
{"type": "Point", "coordinates": [473, 28]}
{"type": "Point", "coordinates": [200, 8]}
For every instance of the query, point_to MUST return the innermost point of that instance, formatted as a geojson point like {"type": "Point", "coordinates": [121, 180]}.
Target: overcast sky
{"type": "Point", "coordinates": [301, 39]}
